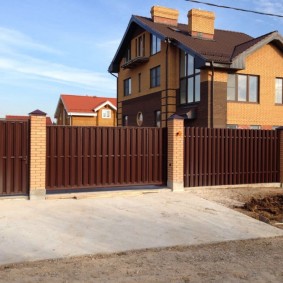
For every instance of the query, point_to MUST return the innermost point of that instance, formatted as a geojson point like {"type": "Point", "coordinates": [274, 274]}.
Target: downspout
{"type": "Point", "coordinates": [211, 94]}
{"type": "Point", "coordinates": [117, 97]}
{"type": "Point", "coordinates": [168, 41]}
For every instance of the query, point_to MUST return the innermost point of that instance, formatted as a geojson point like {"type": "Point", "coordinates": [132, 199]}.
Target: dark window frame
{"type": "Point", "coordinates": [155, 44]}
{"type": "Point", "coordinates": [247, 88]}
{"type": "Point", "coordinates": [155, 77]}
{"type": "Point", "coordinates": [193, 76]}
{"type": "Point", "coordinates": [127, 87]}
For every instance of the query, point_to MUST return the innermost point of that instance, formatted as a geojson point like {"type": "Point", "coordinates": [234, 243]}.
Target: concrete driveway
{"type": "Point", "coordinates": [34, 230]}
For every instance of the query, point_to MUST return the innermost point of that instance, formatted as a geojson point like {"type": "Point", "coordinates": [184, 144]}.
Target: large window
{"type": "Point", "coordinates": [140, 46]}
{"type": "Point", "coordinates": [243, 88]}
{"type": "Point", "coordinates": [189, 79]}
{"type": "Point", "coordinates": [155, 45]}
{"type": "Point", "coordinates": [279, 91]}
{"type": "Point", "coordinates": [127, 87]}
{"type": "Point", "coordinates": [155, 77]}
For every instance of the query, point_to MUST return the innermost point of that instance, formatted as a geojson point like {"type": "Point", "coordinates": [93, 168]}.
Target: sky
{"type": "Point", "coordinates": [53, 47]}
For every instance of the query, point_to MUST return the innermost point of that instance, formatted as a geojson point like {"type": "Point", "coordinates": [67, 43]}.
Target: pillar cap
{"type": "Point", "coordinates": [175, 117]}
{"type": "Point", "coordinates": [37, 112]}
{"type": "Point", "coordinates": [279, 128]}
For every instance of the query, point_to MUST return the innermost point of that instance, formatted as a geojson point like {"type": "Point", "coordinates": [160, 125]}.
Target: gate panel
{"type": "Point", "coordinates": [14, 142]}
{"type": "Point", "coordinates": [230, 157]}
{"type": "Point", "coordinates": [92, 157]}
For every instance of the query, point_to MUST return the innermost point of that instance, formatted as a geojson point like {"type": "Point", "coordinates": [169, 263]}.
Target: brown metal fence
{"type": "Point", "coordinates": [14, 148]}
{"type": "Point", "coordinates": [230, 157]}
{"type": "Point", "coordinates": [91, 157]}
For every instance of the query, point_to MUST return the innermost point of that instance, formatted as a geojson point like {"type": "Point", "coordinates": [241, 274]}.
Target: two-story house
{"type": "Point", "coordinates": [212, 77]}
{"type": "Point", "coordinates": [84, 110]}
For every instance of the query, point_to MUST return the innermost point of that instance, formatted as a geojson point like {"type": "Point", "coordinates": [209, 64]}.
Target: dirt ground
{"type": "Point", "coordinates": [264, 204]}
{"type": "Point", "coordinates": [257, 260]}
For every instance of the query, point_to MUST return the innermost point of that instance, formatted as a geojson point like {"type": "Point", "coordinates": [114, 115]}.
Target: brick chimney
{"type": "Point", "coordinates": [201, 24]}
{"type": "Point", "coordinates": [164, 15]}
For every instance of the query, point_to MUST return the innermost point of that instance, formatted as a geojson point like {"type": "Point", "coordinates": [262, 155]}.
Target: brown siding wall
{"type": "Point", "coordinates": [147, 105]}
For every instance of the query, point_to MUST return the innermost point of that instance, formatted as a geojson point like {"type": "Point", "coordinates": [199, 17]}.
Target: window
{"type": "Point", "coordinates": [279, 91]}
{"type": "Point", "coordinates": [189, 79]}
{"type": "Point", "coordinates": [140, 46]}
{"type": "Point", "coordinates": [139, 82]}
{"type": "Point", "coordinates": [128, 55]}
{"type": "Point", "coordinates": [106, 113]}
{"type": "Point", "coordinates": [231, 126]}
{"type": "Point", "coordinates": [243, 88]}
{"type": "Point", "coordinates": [155, 45]}
{"type": "Point", "coordinates": [155, 77]}
{"type": "Point", "coordinates": [139, 119]}
{"type": "Point", "coordinates": [125, 120]}
{"type": "Point", "coordinates": [127, 87]}
{"type": "Point", "coordinates": [255, 127]}
{"type": "Point", "coordinates": [157, 118]}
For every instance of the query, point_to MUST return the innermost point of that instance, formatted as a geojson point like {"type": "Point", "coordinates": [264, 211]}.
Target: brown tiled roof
{"type": "Point", "coordinates": [84, 104]}
{"type": "Point", "coordinates": [220, 49]}
{"type": "Point", "coordinates": [25, 118]}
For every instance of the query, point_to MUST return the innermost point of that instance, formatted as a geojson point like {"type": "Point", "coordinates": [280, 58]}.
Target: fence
{"type": "Point", "coordinates": [230, 157]}
{"type": "Point", "coordinates": [91, 157]}
{"type": "Point", "coordinates": [14, 143]}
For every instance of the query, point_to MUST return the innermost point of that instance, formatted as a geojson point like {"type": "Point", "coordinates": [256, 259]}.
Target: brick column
{"type": "Point", "coordinates": [280, 136]}
{"type": "Point", "coordinates": [37, 155]}
{"type": "Point", "coordinates": [175, 179]}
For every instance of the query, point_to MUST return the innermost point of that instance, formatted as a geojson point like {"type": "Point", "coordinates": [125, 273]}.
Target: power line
{"type": "Point", "coordinates": [237, 9]}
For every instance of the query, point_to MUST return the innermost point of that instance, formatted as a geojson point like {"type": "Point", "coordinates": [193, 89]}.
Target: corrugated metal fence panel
{"type": "Point", "coordinates": [14, 145]}
{"type": "Point", "coordinates": [89, 157]}
{"type": "Point", "coordinates": [230, 157]}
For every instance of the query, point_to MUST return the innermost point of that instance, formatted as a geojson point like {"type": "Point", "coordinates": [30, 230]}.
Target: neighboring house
{"type": "Point", "coordinates": [213, 78]}
{"type": "Point", "coordinates": [78, 110]}
{"type": "Point", "coordinates": [25, 118]}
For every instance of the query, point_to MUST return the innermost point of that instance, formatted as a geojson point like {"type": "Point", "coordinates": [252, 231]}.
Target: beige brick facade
{"type": "Point", "coordinates": [175, 162]}
{"type": "Point", "coordinates": [37, 156]}
{"type": "Point", "coordinates": [267, 64]}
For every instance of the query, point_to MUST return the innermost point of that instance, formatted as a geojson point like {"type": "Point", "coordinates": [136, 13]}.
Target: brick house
{"type": "Point", "coordinates": [213, 78]}
{"type": "Point", "coordinates": [25, 118]}
{"type": "Point", "coordinates": [78, 110]}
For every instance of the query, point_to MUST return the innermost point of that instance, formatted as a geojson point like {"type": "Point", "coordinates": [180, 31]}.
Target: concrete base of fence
{"type": "Point", "coordinates": [175, 186]}
{"type": "Point", "coordinates": [39, 194]}
{"type": "Point", "coordinates": [259, 185]}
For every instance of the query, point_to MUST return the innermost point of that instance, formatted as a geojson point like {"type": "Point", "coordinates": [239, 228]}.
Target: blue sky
{"type": "Point", "coordinates": [49, 47]}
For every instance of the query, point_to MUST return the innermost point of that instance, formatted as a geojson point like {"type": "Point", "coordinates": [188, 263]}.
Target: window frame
{"type": "Point", "coordinates": [155, 77]}
{"type": "Point", "coordinates": [140, 46]}
{"type": "Point", "coordinates": [191, 73]}
{"type": "Point", "coordinates": [280, 79]}
{"type": "Point", "coordinates": [127, 87]}
{"type": "Point", "coordinates": [247, 88]}
{"type": "Point", "coordinates": [155, 44]}
{"type": "Point", "coordinates": [103, 116]}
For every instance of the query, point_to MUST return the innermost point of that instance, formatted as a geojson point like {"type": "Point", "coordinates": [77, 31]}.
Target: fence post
{"type": "Point", "coordinates": [175, 179]}
{"type": "Point", "coordinates": [280, 137]}
{"type": "Point", "coordinates": [37, 155]}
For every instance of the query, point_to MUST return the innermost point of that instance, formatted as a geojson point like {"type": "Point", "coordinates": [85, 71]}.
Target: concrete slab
{"type": "Point", "coordinates": [34, 230]}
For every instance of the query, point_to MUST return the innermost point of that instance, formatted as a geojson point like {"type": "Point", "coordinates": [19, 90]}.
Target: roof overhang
{"type": "Point", "coordinates": [239, 62]}
{"type": "Point", "coordinates": [104, 104]}
{"type": "Point", "coordinates": [82, 114]}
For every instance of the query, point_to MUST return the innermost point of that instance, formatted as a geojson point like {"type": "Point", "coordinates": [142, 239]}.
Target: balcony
{"type": "Point", "coordinates": [135, 62]}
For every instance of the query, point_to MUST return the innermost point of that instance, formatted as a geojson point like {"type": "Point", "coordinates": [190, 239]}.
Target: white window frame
{"type": "Point", "coordinates": [106, 114]}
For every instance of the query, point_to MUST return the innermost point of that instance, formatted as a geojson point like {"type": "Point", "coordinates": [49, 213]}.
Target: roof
{"type": "Point", "coordinates": [85, 104]}
{"type": "Point", "coordinates": [225, 46]}
{"type": "Point", "coordinates": [25, 118]}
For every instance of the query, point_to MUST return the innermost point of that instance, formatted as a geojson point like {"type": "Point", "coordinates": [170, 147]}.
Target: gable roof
{"type": "Point", "coordinates": [25, 118]}
{"type": "Point", "coordinates": [84, 104]}
{"type": "Point", "coordinates": [225, 46]}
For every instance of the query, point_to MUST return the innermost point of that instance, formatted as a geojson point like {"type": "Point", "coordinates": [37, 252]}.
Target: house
{"type": "Point", "coordinates": [78, 110]}
{"type": "Point", "coordinates": [25, 118]}
{"type": "Point", "coordinates": [211, 77]}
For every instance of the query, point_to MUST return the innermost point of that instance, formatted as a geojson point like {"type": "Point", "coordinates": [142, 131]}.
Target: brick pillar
{"type": "Point", "coordinates": [175, 179]}
{"type": "Point", "coordinates": [280, 136]}
{"type": "Point", "coordinates": [37, 155]}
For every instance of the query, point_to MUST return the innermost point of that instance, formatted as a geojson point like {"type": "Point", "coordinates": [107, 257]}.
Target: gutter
{"type": "Point", "coordinates": [211, 94]}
